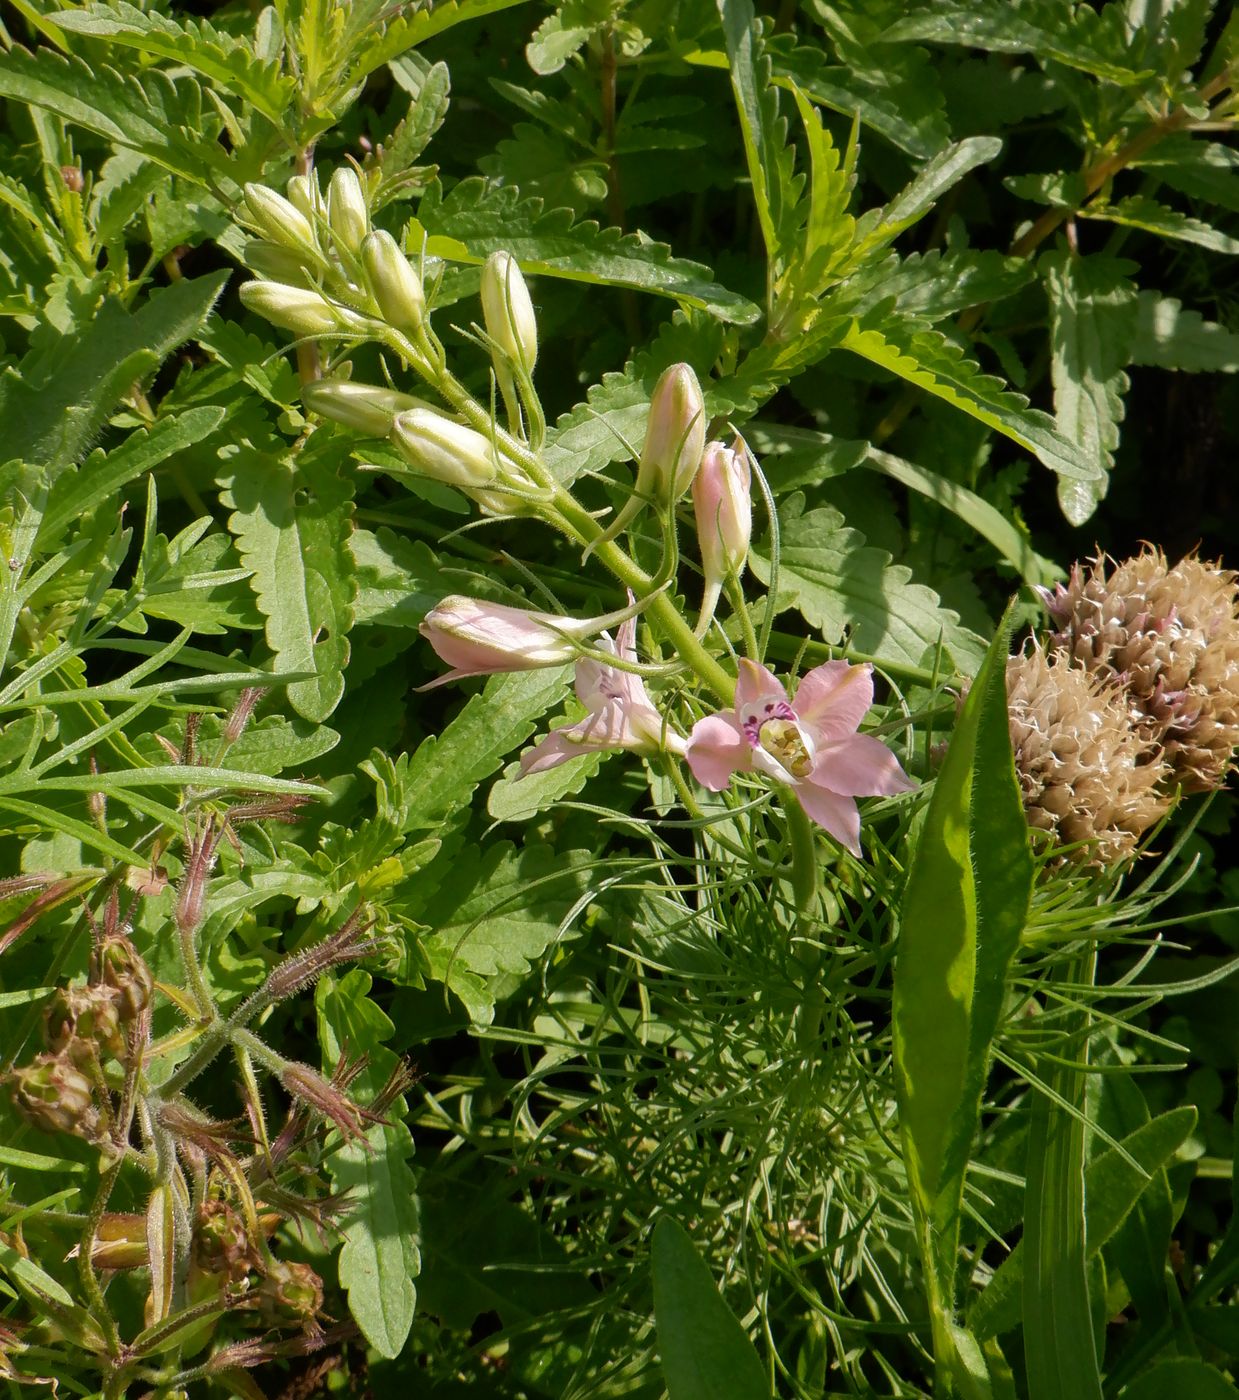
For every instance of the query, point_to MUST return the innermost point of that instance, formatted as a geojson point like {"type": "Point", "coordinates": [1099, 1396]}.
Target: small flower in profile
{"type": "Point", "coordinates": [508, 311]}
{"type": "Point", "coordinates": [810, 744]}
{"type": "Point", "coordinates": [478, 638]}
{"type": "Point", "coordinates": [620, 712]}
{"type": "Point", "coordinates": [723, 505]}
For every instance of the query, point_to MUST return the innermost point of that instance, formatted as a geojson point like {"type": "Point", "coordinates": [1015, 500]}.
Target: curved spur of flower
{"type": "Point", "coordinates": [810, 743]}
{"type": "Point", "coordinates": [620, 712]}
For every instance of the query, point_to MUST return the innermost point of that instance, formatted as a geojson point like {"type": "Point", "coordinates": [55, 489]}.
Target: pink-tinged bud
{"type": "Point", "coordinates": [279, 220]}
{"type": "Point", "coordinates": [301, 311]}
{"type": "Point", "coordinates": [508, 311]}
{"type": "Point", "coordinates": [442, 450]}
{"type": "Point", "coordinates": [346, 209]}
{"type": "Point", "coordinates": [675, 437]}
{"type": "Point", "coordinates": [394, 284]}
{"type": "Point", "coordinates": [477, 638]}
{"type": "Point", "coordinates": [311, 1088]}
{"type": "Point", "coordinates": [301, 970]}
{"type": "Point", "coordinates": [191, 893]}
{"type": "Point", "coordinates": [369, 408]}
{"type": "Point", "coordinates": [54, 1095]}
{"type": "Point", "coordinates": [723, 505]}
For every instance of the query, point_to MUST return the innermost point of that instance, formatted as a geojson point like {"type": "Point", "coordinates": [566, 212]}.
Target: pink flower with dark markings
{"type": "Point", "coordinates": [621, 714]}
{"type": "Point", "coordinates": [810, 743]}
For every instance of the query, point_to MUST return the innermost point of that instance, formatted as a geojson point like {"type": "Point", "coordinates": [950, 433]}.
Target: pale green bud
{"type": "Point", "coordinates": [508, 311]}
{"type": "Point", "coordinates": [367, 407]}
{"type": "Point", "coordinates": [276, 264]}
{"type": "Point", "coordinates": [304, 194]}
{"type": "Point", "coordinates": [302, 312]}
{"type": "Point", "coordinates": [443, 450]}
{"type": "Point", "coordinates": [346, 209]}
{"type": "Point", "coordinates": [393, 282]}
{"type": "Point", "coordinates": [279, 220]}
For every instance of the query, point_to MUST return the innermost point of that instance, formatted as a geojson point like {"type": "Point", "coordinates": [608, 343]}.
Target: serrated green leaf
{"type": "Point", "coordinates": [1168, 335]}
{"type": "Point", "coordinates": [1112, 1186]}
{"type": "Point", "coordinates": [933, 286]}
{"type": "Point", "coordinates": [704, 1351]}
{"type": "Point", "coordinates": [398, 580]}
{"type": "Point", "coordinates": [79, 493]}
{"type": "Point", "coordinates": [1071, 35]}
{"type": "Point", "coordinates": [1092, 327]}
{"type": "Point", "coordinates": [514, 798]}
{"type": "Point", "coordinates": [763, 130]}
{"type": "Point", "coordinates": [1204, 169]}
{"type": "Point", "coordinates": [929, 360]}
{"type": "Point", "coordinates": [476, 219]}
{"type": "Point", "coordinates": [1141, 212]}
{"type": "Point", "coordinates": [161, 117]}
{"type": "Point", "coordinates": [409, 30]}
{"type": "Point", "coordinates": [300, 567]}
{"type": "Point", "coordinates": [933, 179]}
{"type": "Point", "coordinates": [195, 43]}
{"type": "Point", "coordinates": [257, 362]}
{"type": "Point", "coordinates": [839, 584]}
{"type": "Point", "coordinates": [425, 116]}
{"type": "Point", "coordinates": [381, 1256]}
{"type": "Point", "coordinates": [963, 911]}
{"type": "Point", "coordinates": [500, 912]}
{"type": "Point", "coordinates": [564, 33]}
{"type": "Point", "coordinates": [447, 767]}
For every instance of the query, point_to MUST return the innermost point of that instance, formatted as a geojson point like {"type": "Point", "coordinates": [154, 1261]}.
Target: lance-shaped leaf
{"type": "Point", "coordinates": [960, 922]}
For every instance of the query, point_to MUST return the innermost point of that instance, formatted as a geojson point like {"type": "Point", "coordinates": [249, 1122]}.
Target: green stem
{"type": "Point", "coordinates": [86, 1263]}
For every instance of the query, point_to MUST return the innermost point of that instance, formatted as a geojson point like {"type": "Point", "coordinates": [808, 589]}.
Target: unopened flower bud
{"type": "Point", "coordinates": [302, 311]}
{"type": "Point", "coordinates": [191, 893]}
{"type": "Point", "coordinates": [311, 1088]}
{"type": "Point", "coordinates": [478, 638]}
{"type": "Point", "coordinates": [221, 1244]}
{"type": "Point", "coordinates": [346, 209]}
{"type": "Point", "coordinates": [124, 972]}
{"type": "Point", "coordinates": [723, 505]}
{"type": "Point", "coordinates": [274, 263]}
{"type": "Point", "coordinates": [120, 1241]}
{"type": "Point", "coordinates": [79, 1018]}
{"type": "Point", "coordinates": [675, 437]}
{"type": "Point", "coordinates": [56, 1097]}
{"type": "Point", "coordinates": [291, 1290]}
{"type": "Point", "coordinates": [442, 450]}
{"type": "Point", "coordinates": [369, 408]}
{"type": "Point", "coordinates": [278, 219]}
{"type": "Point", "coordinates": [240, 714]}
{"type": "Point", "coordinates": [394, 284]}
{"type": "Point", "coordinates": [305, 196]}
{"type": "Point", "coordinates": [508, 311]}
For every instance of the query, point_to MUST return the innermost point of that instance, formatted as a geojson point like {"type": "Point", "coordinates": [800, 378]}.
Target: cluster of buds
{"type": "Point", "coordinates": [324, 271]}
{"type": "Point", "coordinates": [1134, 700]}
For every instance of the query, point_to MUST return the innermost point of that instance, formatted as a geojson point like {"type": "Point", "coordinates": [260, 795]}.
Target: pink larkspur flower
{"type": "Point", "coordinates": [620, 712]}
{"type": "Point", "coordinates": [810, 744]}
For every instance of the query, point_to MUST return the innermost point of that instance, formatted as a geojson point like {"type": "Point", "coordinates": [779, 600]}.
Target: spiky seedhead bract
{"type": "Point", "coordinates": [1171, 637]}
{"type": "Point", "coordinates": [1090, 778]}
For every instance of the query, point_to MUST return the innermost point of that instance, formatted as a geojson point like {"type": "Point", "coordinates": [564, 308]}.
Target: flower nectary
{"type": "Point", "coordinates": [810, 744]}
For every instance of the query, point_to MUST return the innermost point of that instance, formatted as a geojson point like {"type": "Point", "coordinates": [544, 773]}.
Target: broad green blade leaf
{"type": "Point", "coordinates": [291, 526]}
{"type": "Point", "coordinates": [424, 23]}
{"type": "Point", "coordinates": [1147, 214]}
{"type": "Point", "coordinates": [498, 911]}
{"type": "Point", "coordinates": [514, 798]}
{"type": "Point", "coordinates": [52, 413]}
{"type": "Point", "coordinates": [1112, 1187]}
{"type": "Point", "coordinates": [1168, 335]}
{"type": "Point", "coordinates": [448, 766]}
{"type": "Point", "coordinates": [839, 584]}
{"type": "Point", "coordinates": [477, 218]}
{"type": "Point", "coordinates": [764, 132]}
{"type": "Point", "coordinates": [1060, 1350]}
{"type": "Point", "coordinates": [1092, 326]}
{"type": "Point", "coordinates": [1075, 36]}
{"type": "Point", "coordinates": [1184, 1378]}
{"type": "Point", "coordinates": [381, 1255]}
{"type": "Point", "coordinates": [960, 922]}
{"type": "Point", "coordinates": [225, 59]}
{"type": "Point", "coordinates": [929, 360]}
{"type": "Point", "coordinates": [934, 178]}
{"type": "Point", "coordinates": [704, 1351]}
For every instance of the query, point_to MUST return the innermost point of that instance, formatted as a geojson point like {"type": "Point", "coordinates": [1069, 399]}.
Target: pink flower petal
{"type": "Point", "coordinates": [550, 752]}
{"type": "Point", "coordinates": [754, 686]}
{"type": "Point", "coordinates": [835, 814]}
{"type": "Point", "coordinates": [833, 699]}
{"type": "Point", "coordinates": [716, 749]}
{"type": "Point", "coordinates": [860, 766]}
